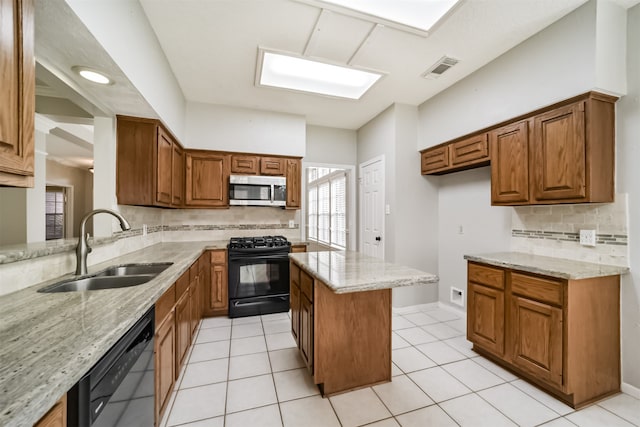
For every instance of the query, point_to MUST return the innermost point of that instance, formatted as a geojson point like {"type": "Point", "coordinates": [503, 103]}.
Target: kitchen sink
{"type": "Point", "coordinates": [119, 276]}
{"type": "Point", "coordinates": [135, 269]}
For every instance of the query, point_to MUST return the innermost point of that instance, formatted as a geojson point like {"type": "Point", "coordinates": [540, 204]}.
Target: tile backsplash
{"type": "Point", "coordinates": [150, 226]}
{"type": "Point", "coordinates": [555, 231]}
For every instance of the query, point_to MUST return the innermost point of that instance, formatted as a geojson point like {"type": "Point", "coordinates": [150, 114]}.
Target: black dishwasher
{"type": "Point", "coordinates": [119, 389]}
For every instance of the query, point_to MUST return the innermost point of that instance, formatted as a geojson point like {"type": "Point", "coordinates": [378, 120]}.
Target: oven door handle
{"type": "Point", "coordinates": [250, 303]}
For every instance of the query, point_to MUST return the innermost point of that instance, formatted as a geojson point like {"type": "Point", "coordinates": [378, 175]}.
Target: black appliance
{"type": "Point", "coordinates": [119, 389]}
{"type": "Point", "coordinates": [258, 275]}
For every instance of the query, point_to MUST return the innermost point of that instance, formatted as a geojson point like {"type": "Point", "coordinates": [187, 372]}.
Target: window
{"type": "Point", "coordinates": [54, 213]}
{"type": "Point", "coordinates": [327, 206]}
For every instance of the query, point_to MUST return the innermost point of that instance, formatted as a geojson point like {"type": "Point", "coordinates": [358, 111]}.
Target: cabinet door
{"type": "Point", "coordinates": [510, 164]}
{"type": "Point", "coordinates": [177, 185]}
{"type": "Point", "coordinates": [271, 166]}
{"type": "Point", "coordinates": [485, 318]}
{"type": "Point", "coordinates": [207, 179]}
{"type": "Point", "coordinates": [293, 174]}
{"type": "Point", "coordinates": [218, 299]}
{"type": "Point", "coordinates": [246, 165]}
{"type": "Point", "coordinates": [165, 363]}
{"type": "Point", "coordinates": [183, 329]}
{"type": "Point", "coordinates": [194, 295]}
{"type": "Point", "coordinates": [559, 158]}
{"type": "Point", "coordinates": [294, 301]}
{"type": "Point", "coordinates": [470, 151]}
{"type": "Point", "coordinates": [56, 417]}
{"type": "Point", "coordinates": [306, 331]}
{"type": "Point", "coordinates": [536, 330]}
{"type": "Point", "coordinates": [434, 159]}
{"type": "Point", "coordinates": [164, 170]}
{"type": "Point", "coordinates": [17, 93]}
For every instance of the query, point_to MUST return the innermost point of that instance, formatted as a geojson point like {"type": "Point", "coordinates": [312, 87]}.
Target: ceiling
{"type": "Point", "coordinates": [212, 47]}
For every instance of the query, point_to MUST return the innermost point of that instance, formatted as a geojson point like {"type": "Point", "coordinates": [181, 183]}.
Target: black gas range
{"type": "Point", "coordinates": [258, 275]}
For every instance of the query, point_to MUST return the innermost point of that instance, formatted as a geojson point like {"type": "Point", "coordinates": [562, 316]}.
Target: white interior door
{"type": "Point", "coordinates": [372, 207]}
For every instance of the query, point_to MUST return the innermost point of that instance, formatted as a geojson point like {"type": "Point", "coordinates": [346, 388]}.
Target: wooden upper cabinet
{"type": "Point", "coordinates": [470, 151]}
{"type": "Point", "coordinates": [207, 179]}
{"type": "Point", "coordinates": [559, 151]}
{"type": "Point", "coordinates": [17, 93]}
{"type": "Point", "coordinates": [455, 156]}
{"type": "Point", "coordinates": [247, 165]}
{"type": "Point", "coordinates": [294, 183]}
{"type": "Point", "coordinates": [510, 164]}
{"type": "Point", "coordinates": [434, 159]}
{"type": "Point", "coordinates": [149, 162]}
{"type": "Point", "coordinates": [272, 166]}
{"type": "Point", "coordinates": [164, 168]}
{"type": "Point", "coordinates": [177, 188]}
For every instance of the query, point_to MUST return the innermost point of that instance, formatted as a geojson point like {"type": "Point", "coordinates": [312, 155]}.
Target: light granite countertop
{"type": "Point", "coordinates": [49, 341]}
{"type": "Point", "coordinates": [347, 271]}
{"type": "Point", "coordinates": [548, 266]}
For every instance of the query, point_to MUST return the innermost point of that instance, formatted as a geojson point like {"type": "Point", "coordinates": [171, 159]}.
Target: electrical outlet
{"type": "Point", "coordinates": [457, 296]}
{"type": "Point", "coordinates": [291, 224]}
{"type": "Point", "coordinates": [588, 237]}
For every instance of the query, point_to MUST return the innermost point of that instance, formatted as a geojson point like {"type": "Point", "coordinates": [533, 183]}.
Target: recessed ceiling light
{"type": "Point", "coordinates": [416, 14]}
{"type": "Point", "coordinates": [301, 74]}
{"type": "Point", "coordinates": [92, 75]}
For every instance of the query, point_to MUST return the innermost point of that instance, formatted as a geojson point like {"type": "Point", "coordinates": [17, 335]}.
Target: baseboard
{"type": "Point", "coordinates": [630, 390]}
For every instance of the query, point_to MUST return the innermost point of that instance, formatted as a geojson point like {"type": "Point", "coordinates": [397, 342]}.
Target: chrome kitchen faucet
{"type": "Point", "coordinates": [83, 249]}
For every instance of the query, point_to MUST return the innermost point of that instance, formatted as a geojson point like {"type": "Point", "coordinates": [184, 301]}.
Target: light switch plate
{"type": "Point", "coordinates": [588, 237]}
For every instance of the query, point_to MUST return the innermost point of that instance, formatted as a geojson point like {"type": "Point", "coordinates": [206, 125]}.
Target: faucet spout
{"type": "Point", "coordinates": [83, 249]}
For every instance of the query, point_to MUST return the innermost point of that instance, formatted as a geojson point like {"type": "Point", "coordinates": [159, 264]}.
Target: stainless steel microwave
{"type": "Point", "coordinates": [251, 190]}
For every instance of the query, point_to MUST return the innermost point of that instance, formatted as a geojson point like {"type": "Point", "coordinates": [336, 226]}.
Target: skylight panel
{"type": "Point", "coordinates": [420, 14]}
{"type": "Point", "coordinates": [302, 74]}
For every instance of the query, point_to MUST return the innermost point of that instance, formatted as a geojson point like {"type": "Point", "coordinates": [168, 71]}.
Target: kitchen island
{"type": "Point", "coordinates": [341, 316]}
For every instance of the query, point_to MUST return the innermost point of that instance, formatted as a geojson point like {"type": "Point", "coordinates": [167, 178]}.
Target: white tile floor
{"type": "Point", "coordinates": [247, 373]}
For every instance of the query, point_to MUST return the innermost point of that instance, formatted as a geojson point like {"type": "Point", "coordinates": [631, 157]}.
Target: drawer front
{"type": "Point", "coordinates": [218, 257]}
{"type": "Point", "coordinates": [435, 159]}
{"type": "Point", "coordinates": [164, 304]}
{"type": "Point", "coordinates": [271, 166]}
{"type": "Point", "coordinates": [193, 271]}
{"type": "Point", "coordinates": [470, 150]}
{"type": "Point", "coordinates": [298, 248]}
{"type": "Point", "coordinates": [485, 275]}
{"type": "Point", "coordinates": [306, 285]}
{"type": "Point", "coordinates": [245, 164]}
{"type": "Point", "coordinates": [537, 288]}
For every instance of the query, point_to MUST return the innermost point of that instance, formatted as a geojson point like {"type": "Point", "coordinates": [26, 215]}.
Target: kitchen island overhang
{"type": "Point", "coordinates": [341, 315]}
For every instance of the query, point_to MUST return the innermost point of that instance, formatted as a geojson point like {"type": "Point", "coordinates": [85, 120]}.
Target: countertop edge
{"type": "Point", "coordinates": [595, 270]}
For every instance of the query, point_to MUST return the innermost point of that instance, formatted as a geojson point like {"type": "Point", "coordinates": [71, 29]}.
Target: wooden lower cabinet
{"type": "Point", "coordinates": [165, 365]}
{"type": "Point", "coordinates": [183, 329]}
{"type": "Point", "coordinates": [56, 417]}
{"type": "Point", "coordinates": [338, 334]}
{"type": "Point", "coordinates": [298, 248]}
{"type": "Point", "coordinates": [562, 335]}
{"type": "Point", "coordinates": [217, 299]}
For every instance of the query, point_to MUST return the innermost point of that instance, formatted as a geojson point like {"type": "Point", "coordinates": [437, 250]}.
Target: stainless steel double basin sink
{"type": "Point", "coordinates": [118, 276]}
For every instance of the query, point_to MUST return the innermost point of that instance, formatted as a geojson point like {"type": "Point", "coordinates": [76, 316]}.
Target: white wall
{"type": "Point", "coordinates": [122, 28]}
{"type": "Point", "coordinates": [628, 177]}
{"type": "Point", "coordinates": [36, 198]}
{"type": "Point", "coordinates": [217, 127]}
{"type": "Point", "coordinates": [331, 146]}
{"type": "Point", "coordinates": [465, 202]}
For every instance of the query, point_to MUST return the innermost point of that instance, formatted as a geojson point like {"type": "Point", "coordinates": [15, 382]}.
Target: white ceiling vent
{"type": "Point", "coordinates": [440, 67]}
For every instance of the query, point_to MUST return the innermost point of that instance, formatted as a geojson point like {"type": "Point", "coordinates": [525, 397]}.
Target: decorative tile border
{"type": "Point", "coordinates": [223, 227]}
{"type": "Point", "coordinates": [565, 236]}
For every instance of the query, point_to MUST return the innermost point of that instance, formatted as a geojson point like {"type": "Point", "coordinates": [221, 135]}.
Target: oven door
{"type": "Point", "coordinates": [258, 281]}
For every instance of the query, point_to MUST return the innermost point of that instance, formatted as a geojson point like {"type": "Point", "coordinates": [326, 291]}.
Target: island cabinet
{"type": "Point", "coordinates": [17, 86]}
{"type": "Point", "coordinates": [562, 154]}
{"type": "Point", "coordinates": [149, 164]}
{"type": "Point", "coordinates": [561, 334]}
{"type": "Point", "coordinates": [344, 339]}
{"type": "Point", "coordinates": [207, 179]}
{"type": "Point", "coordinates": [56, 417]}
{"type": "Point", "coordinates": [217, 300]}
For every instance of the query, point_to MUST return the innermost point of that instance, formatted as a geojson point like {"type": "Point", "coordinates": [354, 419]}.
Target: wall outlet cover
{"type": "Point", "coordinates": [457, 296]}
{"type": "Point", "coordinates": [588, 237]}
{"type": "Point", "coordinates": [291, 223]}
